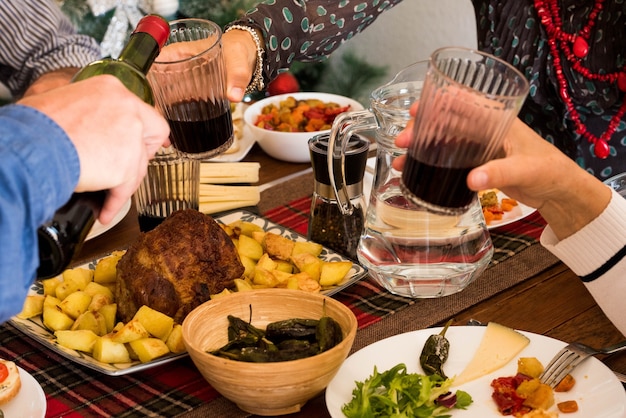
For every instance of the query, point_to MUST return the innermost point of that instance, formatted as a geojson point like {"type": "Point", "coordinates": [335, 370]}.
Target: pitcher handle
{"type": "Point", "coordinates": [345, 125]}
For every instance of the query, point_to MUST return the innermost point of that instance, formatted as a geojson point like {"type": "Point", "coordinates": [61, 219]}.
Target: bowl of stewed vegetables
{"type": "Point", "coordinates": [283, 124]}
{"type": "Point", "coordinates": [269, 350]}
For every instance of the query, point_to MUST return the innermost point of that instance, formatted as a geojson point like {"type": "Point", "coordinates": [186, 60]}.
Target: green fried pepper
{"type": "Point", "coordinates": [292, 328]}
{"type": "Point", "coordinates": [328, 333]}
{"type": "Point", "coordinates": [435, 353]}
{"type": "Point", "coordinates": [284, 340]}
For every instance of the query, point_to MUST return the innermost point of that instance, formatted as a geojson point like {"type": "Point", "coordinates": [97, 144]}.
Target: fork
{"type": "Point", "coordinates": [571, 356]}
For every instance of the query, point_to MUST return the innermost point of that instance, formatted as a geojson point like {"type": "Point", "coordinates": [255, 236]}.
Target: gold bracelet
{"type": "Point", "coordinates": [257, 83]}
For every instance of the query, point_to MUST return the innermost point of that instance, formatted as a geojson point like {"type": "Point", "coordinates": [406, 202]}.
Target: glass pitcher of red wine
{"type": "Point", "coordinates": [410, 251]}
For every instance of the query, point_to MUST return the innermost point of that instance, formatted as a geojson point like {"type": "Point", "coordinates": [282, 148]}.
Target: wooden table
{"type": "Point", "coordinates": [554, 303]}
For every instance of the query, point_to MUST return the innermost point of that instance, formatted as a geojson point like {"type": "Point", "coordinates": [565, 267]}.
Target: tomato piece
{"type": "Point", "coordinates": [4, 372]}
{"type": "Point", "coordinates": [506, 398]}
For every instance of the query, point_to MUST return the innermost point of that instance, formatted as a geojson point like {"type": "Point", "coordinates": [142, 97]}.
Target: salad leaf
{"type": "Point", "coordinates": [399, 394]}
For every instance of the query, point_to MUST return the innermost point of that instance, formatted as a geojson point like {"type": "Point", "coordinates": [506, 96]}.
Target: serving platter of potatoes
{"type": "Point", "coordinates": [74, 314]}
{"type": "Point", "coordinates": [276, 257]}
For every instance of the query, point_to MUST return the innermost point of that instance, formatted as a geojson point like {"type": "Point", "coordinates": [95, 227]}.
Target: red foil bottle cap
{"type": "Point", "coordinates": [156, 26]}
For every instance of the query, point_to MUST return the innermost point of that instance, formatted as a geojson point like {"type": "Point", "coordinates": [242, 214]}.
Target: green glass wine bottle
{"type": "Point", "coordinates": [62, 237]}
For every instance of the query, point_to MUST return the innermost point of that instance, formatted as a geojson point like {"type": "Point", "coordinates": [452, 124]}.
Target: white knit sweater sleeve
{"type": "Point", "coordinates": [597, 254]}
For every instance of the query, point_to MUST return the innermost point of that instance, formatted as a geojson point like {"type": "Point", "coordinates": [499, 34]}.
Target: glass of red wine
{"type": "Point", "coordinates": [172, 183]}
{"type": "Point", "coordinates": [189, 83]}
{"type": "Point", "coordinates": [468, 101]}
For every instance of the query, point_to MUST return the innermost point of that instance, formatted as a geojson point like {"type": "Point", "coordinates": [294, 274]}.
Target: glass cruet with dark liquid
{"type": "Point", "coordinates": [328, 225]}
{"type": "Point", "coordinates": [407, 249]}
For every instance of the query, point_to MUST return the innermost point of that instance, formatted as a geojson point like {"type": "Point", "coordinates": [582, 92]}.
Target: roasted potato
{"type": "Point", "coordinates": [33, 306]}
{"type": "Point", "coordinates": [80, 340]}
{"type": "Point", "coordinates": [148, 349]}
{"type": "Point", "coordinates": [156, 323]}
{"type": "Point", "coordinates": [108, 351]}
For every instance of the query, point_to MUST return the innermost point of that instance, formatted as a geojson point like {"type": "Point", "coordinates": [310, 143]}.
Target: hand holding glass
{"type": "Point", "coordinates": [189, 83]}
{"type": "Point", "coordinates": [468, 102]}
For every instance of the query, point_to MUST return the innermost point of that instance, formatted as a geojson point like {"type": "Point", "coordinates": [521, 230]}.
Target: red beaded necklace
{"type": "Point", "coordinates": [575, 47]}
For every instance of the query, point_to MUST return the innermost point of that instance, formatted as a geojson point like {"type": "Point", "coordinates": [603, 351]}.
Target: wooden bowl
{"type": "Point", "coordinates": [266, 388]}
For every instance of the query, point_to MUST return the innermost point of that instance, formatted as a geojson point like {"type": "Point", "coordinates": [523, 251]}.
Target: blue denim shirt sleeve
{"type": "Point", "coordinates": [38, 173]}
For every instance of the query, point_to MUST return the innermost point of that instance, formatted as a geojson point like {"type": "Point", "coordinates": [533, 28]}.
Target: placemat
{"type": "Point", "coordinates": [370, 302]}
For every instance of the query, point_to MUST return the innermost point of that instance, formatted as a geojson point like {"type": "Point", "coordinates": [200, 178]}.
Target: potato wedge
{"type": "Point", "coordinates": [75, 303]}
{"type": "Point", "coordinates": [92, 321]}
{"type": "Point", "coordinates": [33, 306]}
{"type": "Point", "coordinates": [98, 301]}
{"type": "Point", "coordinates": [94, 288]}
{"type": "Point", "coordinates": [109, 312]}
{"type": "Point", "coordinates": [80, 340]}
{"type": "Point", "coordinates": [264, 278]}
{"type": "Point", "coordinates": [106, 269]}
{"type": "Point", "coordinates": [156, 323]}
{"type": "Point", "coordinates": [249, 247]}
{"type": "Point", "coordinates": [308, 263]}
{"type": "Point", "coordinates": [51, 301]}
{"type": "Point", "coordinates": [148, 349]}
{"type": "Point", "coordinates": [303, 281]}
{"type": "Point", "coordinates": [285, 266]}
{"type": "Point", "coordinates": [108, 351]}
{"type": "Point", "coordinates": [64, 289]}
{"type": "Point", "coordinates": [245, 228]}
{"type": "Point", "coordinates": [55, 319]}
{"type": "Point", "coordinates": [266, 262]}
{"type": "Point", "coordinates": [131, 331]}
{"type": "Point", "coordinates": [307, 247]}
{"type": "Point", "coordinates": [175, 341]}
{"type": "Point", "coordinates": [333, 272]}
{"type": "Point", "coordinates": [248, 265]}
{"type": "Point", "coordinates": [79, 276]}
{"type": "Point", "coordinates": [50, 285]}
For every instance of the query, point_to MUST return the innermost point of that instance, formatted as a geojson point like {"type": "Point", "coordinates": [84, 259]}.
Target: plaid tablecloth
{"type": "Point", "coordinates": [369, 301]}
{"type": "Point", "coordinates": [175, 388]}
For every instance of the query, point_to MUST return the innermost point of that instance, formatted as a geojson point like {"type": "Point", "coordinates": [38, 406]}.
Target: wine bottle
{"type": "Point", "coordinates": [62, 237]}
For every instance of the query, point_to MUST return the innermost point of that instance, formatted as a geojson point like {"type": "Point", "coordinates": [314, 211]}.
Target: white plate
{"type": "Point", "coordinates": [597, 391]}
{"type": "Point", "coordinates": [246, 142]}
{"type": "Point", "coordinates": [519, 212]}
{"type": "Point", "coordinates": [30, 401]}
{"type": "Point", "coordinates": [35, 329]}
{"type": "Point", "coordinates": [99, 229]}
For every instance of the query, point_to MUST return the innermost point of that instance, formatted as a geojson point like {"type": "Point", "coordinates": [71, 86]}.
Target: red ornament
{"type": "Point", "coordinates": [621, 81]}
{"type": "Point", "coordinates": [283, 83]}
{"type": "Point", "coordinates": [575, 47]}
{"type": "Point", "coordinates": [581, 47]}
{"type": "Point", "coordinates": [601, 149]}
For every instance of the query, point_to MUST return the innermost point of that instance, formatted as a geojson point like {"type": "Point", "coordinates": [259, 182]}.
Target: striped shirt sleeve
{"type": "Point", "coordinates": [597, 254]}
{"type": "Point", "coordinates": [36, 38]}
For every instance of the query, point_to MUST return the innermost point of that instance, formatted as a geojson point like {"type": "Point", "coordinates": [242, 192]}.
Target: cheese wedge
{"type": "Point", "coordinates": [498, 346]}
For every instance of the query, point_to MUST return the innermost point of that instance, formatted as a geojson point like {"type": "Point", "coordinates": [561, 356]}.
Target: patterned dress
{"type": "Point", "coordinates": [309, 30]}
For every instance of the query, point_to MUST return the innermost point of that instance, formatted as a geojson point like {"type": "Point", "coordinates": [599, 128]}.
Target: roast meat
{"type": "Point", "coordinates": [176, 266]}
